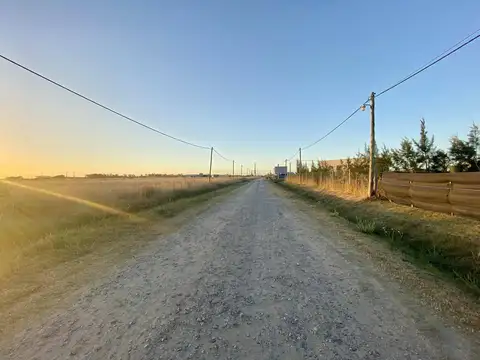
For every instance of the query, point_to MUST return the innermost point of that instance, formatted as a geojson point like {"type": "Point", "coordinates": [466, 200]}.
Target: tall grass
{"type": "Point", "coordinates": [449, 243]}
{"type": "Point", "coordinates": [38, 215]}
{"type": "Point", "coordinates": [355, 185]}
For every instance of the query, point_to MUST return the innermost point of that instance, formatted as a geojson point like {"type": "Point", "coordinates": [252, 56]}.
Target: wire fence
{"type": "Point", "coordinates": [347, 183]}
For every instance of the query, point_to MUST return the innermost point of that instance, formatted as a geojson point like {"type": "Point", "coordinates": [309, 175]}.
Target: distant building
{"type": "Point", "coordinates": [335, 163]}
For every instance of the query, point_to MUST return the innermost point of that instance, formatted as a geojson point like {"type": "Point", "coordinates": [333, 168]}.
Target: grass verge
{"type": "Point", "coordinates": [59, 263]}
{"type": "Point", "coordinates": [449, 244]}
{"type": "Point", "coordinates": [48, 222]}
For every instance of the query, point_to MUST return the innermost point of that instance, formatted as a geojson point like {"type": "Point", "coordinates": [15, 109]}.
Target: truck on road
{"type": "Point", "coordinates": [280, 172]}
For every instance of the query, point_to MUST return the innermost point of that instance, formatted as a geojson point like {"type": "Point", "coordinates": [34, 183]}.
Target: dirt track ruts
{"type": "Point", "coordinates": [248, 279]}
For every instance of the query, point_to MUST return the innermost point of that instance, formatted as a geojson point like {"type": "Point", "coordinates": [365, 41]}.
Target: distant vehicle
{"type": "Point", "coordinates": [280, 172]}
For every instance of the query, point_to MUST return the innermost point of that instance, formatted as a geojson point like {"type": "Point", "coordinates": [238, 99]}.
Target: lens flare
{"type": "Point", "coordinates": [89, 203]}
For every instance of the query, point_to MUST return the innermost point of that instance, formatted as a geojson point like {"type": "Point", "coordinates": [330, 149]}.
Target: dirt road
{"type": "Point", "coordinates": [249, 279]}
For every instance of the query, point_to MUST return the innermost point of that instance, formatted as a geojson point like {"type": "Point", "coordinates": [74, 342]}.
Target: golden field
{"type": "Point", "coordinates": [35, 213]}
{"type": "Point", "coordinates": [58, 234]}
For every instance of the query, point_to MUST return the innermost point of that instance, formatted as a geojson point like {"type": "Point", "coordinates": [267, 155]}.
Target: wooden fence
{"type": "Point", "coordinates": [451, 193]}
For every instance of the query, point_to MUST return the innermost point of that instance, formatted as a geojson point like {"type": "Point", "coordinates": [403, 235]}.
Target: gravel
{"type": "Point", "coordinates": [248, 279]}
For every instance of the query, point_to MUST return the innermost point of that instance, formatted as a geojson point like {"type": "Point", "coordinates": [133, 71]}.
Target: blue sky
{"type": "Point", "coordinates": [254, 79]}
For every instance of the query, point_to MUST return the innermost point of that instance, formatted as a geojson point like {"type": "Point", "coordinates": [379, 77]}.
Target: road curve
{"type": "Point", "coordinates": [250, 278]}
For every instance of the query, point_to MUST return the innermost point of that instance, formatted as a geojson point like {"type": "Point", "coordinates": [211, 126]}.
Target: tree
{"type": "Point", "coordinates": [324, 168]}
{"type": "Point", "coordinates": [301, 168]}
{"type": "Point", "coordinates": [440, 161]}
{"type": "Point", "coordinates": [462, 154]}
{"type": "Point", "coordinates": [405, 158]}
{"type": "Point", "coordinates": [424, 148]}
{"type": "Point", "coordinates": [384, 160]}
{"type": "Point", "coordinates": [474, 142]}
{"type": "Point", "coordinates": [361, 162]}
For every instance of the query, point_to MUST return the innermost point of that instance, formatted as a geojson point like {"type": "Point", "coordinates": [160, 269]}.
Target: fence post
{"type": "Point", "coordinates": [410, 182]}
{"type": "Point", "coordinates": [450, 188]}
{"type": "Point", "coordinates": [349, 179]}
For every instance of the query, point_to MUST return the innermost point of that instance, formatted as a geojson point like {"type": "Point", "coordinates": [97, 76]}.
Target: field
{"type": "Point", "coordinates": [58, 234]}
{"type": "Point", "coordinates": [40, 216]}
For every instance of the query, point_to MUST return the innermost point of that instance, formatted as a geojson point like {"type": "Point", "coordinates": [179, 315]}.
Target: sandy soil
{"type": "Point", "coordinates": [251, 278]}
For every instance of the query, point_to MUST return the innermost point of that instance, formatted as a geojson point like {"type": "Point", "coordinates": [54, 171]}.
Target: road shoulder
{"type": "Point", "coordinates": [30, 296]}
{"type": "Point", "coordinates": [421, 287]}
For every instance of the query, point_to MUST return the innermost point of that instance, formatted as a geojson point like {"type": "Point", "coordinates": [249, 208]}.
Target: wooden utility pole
{"type": "Point", "coordinates": [371, 173]}
{"type": "Point", "coordinates": [299, 170]}
{"type": "Point", "coordinates": [300, 151]}
{"type": "Point", "coordinates": [233, 170]}
{"type": "Point", "coordinates": [241, 170]}
{"type": "Point", "coordinates": [211, 158]}
{"type": "Point", "coordinates": [290, 167]}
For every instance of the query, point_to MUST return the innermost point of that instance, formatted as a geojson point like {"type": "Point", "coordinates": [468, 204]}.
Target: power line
{"type": "Point", "coordinates": [335, 128]}
{"type": "Point", "coordinates": [438, 58]}
{"type": "Point", "coordinates": [447, 50]}
{"type": "Point", "coordinates": [101, 105]}
{"type": "Point", "coordinates": [429, 65]}
{"type": "Point", "coordinates": [291, 157]}
{"type": "Point", "coordinates": [223, 157]}
{"type": "Point", "coordinates": [331, 131]}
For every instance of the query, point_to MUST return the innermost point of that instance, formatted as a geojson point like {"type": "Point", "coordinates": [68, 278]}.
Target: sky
{"type": "Point", "coordinates": [254, 79]}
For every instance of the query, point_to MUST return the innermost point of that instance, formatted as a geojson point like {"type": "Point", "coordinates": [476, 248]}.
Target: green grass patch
{"type": "Point", "coordinates": [366, 226]}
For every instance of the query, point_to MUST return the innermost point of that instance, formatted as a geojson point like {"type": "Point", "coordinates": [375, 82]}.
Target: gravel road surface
{"type": "Point", "coordinates": [250, 278]}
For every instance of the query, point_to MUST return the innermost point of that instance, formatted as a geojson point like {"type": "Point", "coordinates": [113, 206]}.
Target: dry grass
{"type": "Point", "coordinates": [450, 244]}
{"type": "Point", "coordinates": [423, 284]}
{"type": "Point", "coordinates": [356, 186]}
{"type": "Point", "coordinates": [78, 244]}
{"type": "Point", "coordinates": [43, 216]}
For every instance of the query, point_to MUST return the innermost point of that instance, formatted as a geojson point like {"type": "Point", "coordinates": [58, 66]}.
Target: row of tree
{"type": "Point", "coordinates": [413, 155]}
{"type": "Point", "coordinates": [127, 176]}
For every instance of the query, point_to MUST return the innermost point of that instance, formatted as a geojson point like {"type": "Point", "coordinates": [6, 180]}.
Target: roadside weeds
{"type": "Point", "coordinates": [449, 244]}
{"type": "Point", "coordinates": [62, 262]}
{"type": "Point", "coordinates": [422, 284]}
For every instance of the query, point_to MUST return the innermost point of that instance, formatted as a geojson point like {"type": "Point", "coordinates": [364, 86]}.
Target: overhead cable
{"type": "Point", "coordinates": [335, 128]}
{"type": "Point", "coordinates": [223, 157]}
{"type": "Point", "coordinates": [438, 59]}
{"type": "Point", "coordinates": [101, 105]}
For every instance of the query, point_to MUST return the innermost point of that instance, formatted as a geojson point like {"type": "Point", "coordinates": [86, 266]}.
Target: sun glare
{"type": "Point", "coordinates": [89, 203]}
